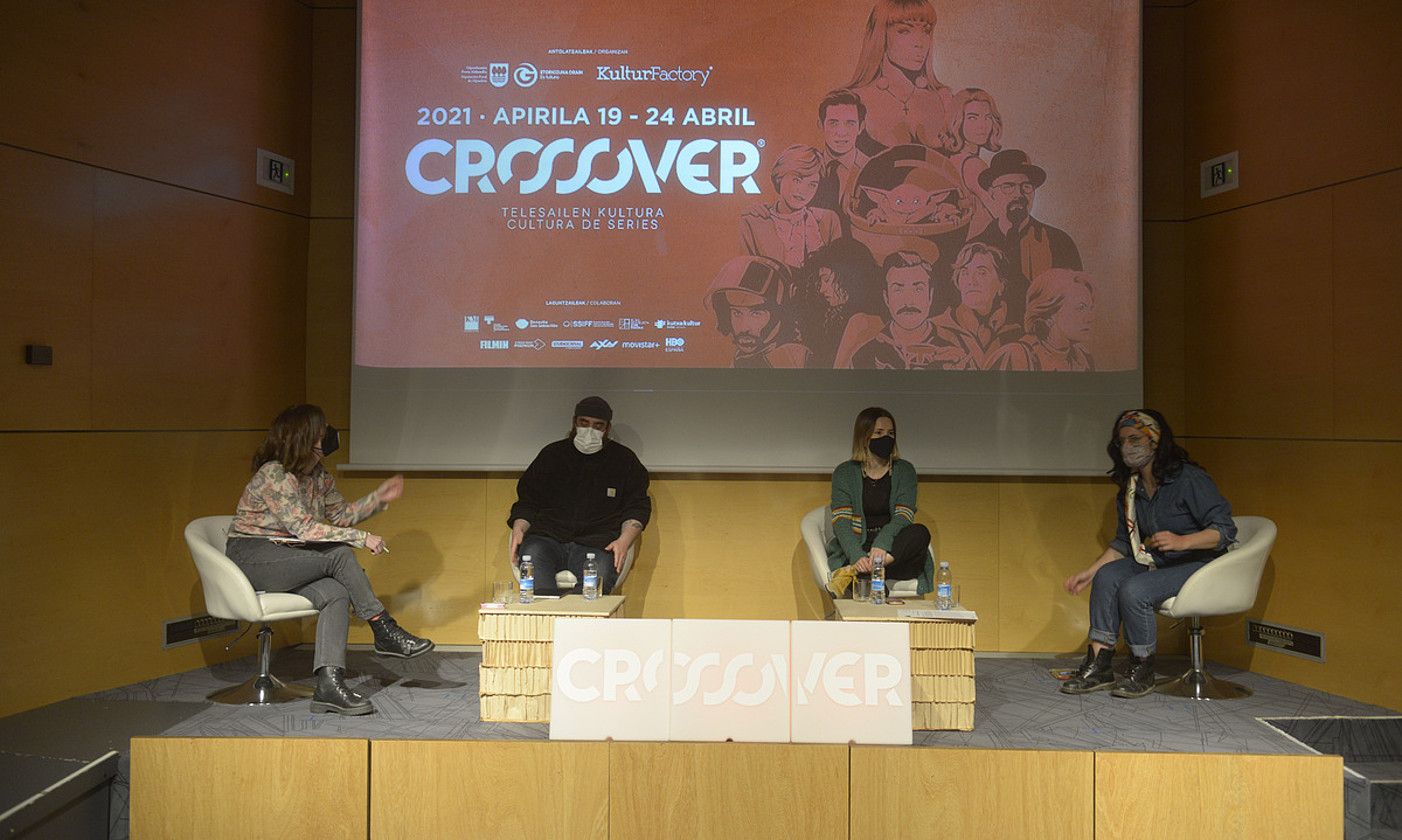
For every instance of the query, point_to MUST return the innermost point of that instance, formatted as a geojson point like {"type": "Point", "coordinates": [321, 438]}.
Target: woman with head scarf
{"type": "Point", "coordinates": [1172, 521]}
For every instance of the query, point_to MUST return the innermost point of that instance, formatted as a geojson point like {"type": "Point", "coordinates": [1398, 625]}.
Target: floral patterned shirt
{"type": "Point", "coordinates": [279, 505]}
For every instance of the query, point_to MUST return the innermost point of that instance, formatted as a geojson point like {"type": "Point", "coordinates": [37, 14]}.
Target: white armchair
{"type": "Point", "coordinates": [816, 528]}
{"type": "Point", "coordinates": [1225, 586]}
{"type": "Point", "coordinates": [228, 594]}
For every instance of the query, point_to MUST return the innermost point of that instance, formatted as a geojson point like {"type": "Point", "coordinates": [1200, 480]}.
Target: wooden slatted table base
{"type": "Point", "coordinates": [514, 677]}
{"type": "Point", "coordinates": [941, 661]}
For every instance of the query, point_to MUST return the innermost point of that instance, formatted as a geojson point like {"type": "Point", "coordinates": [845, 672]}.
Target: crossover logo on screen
{"type": "Point", "coordinates": [701, 167]}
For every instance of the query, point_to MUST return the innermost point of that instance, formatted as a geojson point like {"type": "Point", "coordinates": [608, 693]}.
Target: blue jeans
{"type": "Point", "coordinates": [1127, 592]}
{"type": "Point", "coordinates": [551, 556]}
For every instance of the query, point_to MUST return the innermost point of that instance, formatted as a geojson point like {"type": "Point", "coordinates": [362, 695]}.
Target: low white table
{"type": "Point", "coordinates": [941, 659]}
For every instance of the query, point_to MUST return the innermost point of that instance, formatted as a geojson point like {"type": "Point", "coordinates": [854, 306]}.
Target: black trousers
{"type": "Point", "coordinates": [908, 552]}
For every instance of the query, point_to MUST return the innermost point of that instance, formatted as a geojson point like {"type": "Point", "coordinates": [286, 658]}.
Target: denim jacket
{"type": "Point", "coordinates": [1184, 504]}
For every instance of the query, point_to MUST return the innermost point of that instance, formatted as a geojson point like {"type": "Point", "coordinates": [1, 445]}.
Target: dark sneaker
{"type": "Point", "coordinates": [1139, 680]}
{"type": "Point", "coordinates": [1094, 674]}
{"type": "Point", "coordinates": [393, 640]}
{"type": "Point", "coordinates": [333, 695]}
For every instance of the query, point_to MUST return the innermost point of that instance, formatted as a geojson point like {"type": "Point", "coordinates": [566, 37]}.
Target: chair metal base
{"type": "Point", "coordinates": [1200, 685]}
{"type": "Point", "coordinates": [1196, 683]}
{"type": "Point", "coordinates": [262, 689]}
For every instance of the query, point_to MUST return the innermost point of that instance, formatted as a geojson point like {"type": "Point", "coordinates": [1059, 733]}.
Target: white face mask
{"type": "Point", "coordinates": [588, 440]}
{"type": "Point", "coordinates": [1137, 456]}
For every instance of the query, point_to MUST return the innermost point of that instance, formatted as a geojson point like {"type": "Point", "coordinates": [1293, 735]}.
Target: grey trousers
{"type": "Point", "coordinates": [326, 574]}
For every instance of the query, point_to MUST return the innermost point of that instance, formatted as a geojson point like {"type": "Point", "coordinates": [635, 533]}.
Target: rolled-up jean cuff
{"type": "Point", "coordinates": [1142, 651]}
{"type": "Point", "coordinates": [1104, 637]}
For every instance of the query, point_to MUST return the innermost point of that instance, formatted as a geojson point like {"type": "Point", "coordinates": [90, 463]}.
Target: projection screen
{"type": "Point", "coordinates": [743, 222]}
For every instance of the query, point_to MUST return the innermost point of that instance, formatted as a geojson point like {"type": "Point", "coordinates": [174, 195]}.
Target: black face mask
{"type": "Point", "coordinates": [882, 447]}
{"type": "Point", "coordinates": [331, 441]}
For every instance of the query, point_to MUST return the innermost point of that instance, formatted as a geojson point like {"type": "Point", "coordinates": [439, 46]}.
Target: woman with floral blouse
{"type": "Point", "coordinates": [294, 532]}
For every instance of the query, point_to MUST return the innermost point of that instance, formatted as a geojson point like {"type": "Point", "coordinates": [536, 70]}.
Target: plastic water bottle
{"type": "Point", "coordinates": [944, 587]}
{"type": "Point", "coordinates": [878, 581]}
{"type": "Point", "coordinates": [527, 579]}
{"type": "Point", "coordinates": [591, 577]}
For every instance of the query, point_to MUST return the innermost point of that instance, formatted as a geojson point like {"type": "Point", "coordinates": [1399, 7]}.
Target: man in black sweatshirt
{"type": "Point", "coordinates": [583, 494]}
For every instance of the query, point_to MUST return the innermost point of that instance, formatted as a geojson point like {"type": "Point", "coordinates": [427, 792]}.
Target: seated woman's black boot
{"type": "Point", "coordinates": [1140, 679]}
{"type": "Point", "coordinates": [333, 695]}
{"type": "Point", "coordinates": [393, 640]}
{"type": "Point", "coordinates": [1094, 674]}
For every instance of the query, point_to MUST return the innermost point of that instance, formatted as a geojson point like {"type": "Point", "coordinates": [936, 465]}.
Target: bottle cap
{"type": "Point", "coordinates": [944, 564]}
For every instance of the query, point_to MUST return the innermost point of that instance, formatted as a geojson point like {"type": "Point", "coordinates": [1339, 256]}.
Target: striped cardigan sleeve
{"type": "Point", "coordinates": [846, 518]}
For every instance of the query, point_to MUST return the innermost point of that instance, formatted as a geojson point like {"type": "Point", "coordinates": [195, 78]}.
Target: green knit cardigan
{"type": "Point", "coordinates": [848, 520]}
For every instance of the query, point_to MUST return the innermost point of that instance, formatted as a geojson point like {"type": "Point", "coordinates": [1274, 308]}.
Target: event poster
{"type": "Point", "coordinates": [898, 185]}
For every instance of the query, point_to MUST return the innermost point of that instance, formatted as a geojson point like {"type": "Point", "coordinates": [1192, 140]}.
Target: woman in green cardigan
{"type": "Point", "coordinates": [873, 507]}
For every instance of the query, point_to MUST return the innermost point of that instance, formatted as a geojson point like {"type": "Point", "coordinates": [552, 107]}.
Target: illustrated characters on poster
{"type": "Point", "coordinates": [908, 239]}
{"type": "Point", "coordinates": [790, 229]}
{"type": "Point", "coordinates": [749, 298]}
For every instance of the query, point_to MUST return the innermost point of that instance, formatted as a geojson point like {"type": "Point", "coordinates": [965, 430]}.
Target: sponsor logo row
{"type": "Point", "coordinates": [488, 323]}
{"type": "Point", "coordinates": [671, 344]}
{"type": "Point", "coordinates": [525, 74]}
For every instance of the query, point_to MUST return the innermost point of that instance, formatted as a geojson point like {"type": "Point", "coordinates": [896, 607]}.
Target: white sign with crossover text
{"type": "Point", "coordinates": [693, 680]}
{"type": "Point", "coordinates": [612, 678]}
{"type": "Point", "coordinates": [851, 682]}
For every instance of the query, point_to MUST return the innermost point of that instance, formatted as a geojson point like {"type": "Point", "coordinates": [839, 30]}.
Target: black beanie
{"type": "Point", "coordinates": [594, 407]}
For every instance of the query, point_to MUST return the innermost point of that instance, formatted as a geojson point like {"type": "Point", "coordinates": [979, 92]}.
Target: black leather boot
{"type": "Point", "coordinates": [333, 695]}
{"type": "Point", "coordinates": [1094, 674]}
{"type": "Point", "coordinates": [1139, 681]}
{"type": "Point", "coordinates": [393, 640]}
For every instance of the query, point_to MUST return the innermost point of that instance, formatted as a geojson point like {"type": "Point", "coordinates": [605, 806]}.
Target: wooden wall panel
{"type": "Point", "coordinates": [488, 789]}
{"type": "Point", "coordinates": [1162, 113]}
{"type": "Point", "coordinates": [236, 788]}
{"type": "Point", "coordinates": [1336, 567]}
{"type": "Point", "coordinates": [727, 790]}
{"type": "Point", "coordinates": [962, 516]}
{"type": "Point", "coordinates": [707, 536]}
{"type": "Point", "coordinates": [198, 309]}
{"type": "Point", "coordinates": [449, 540]}
{"type": "Point", "coordinates": [177, 92]}
{"type": "Point", "coordinates": [1368, 308]}
{"type": "Point", "coordinates": [330, 294]}
{"type": "Point", "coordinates": [1305, 91]}
{"type": "Point", "coordinates": [92, 550]}
{"type": "Point", "coordinates": [46, 227]}
{"type": "Point", "coordinates": [1259, 328]}
{"type": "Point", "coordinates": [971, 793]}
{"type": "Point", "coordinates": [1189, 796]}
{"type": "Point", "coordinates": [332, 170]}
{"type": "Point", "coordinates": [1165, 351]}
{"type": "Point", "coordinates": [436, 575]}
{"type": "Point", "coordinates": [1048, 529]}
